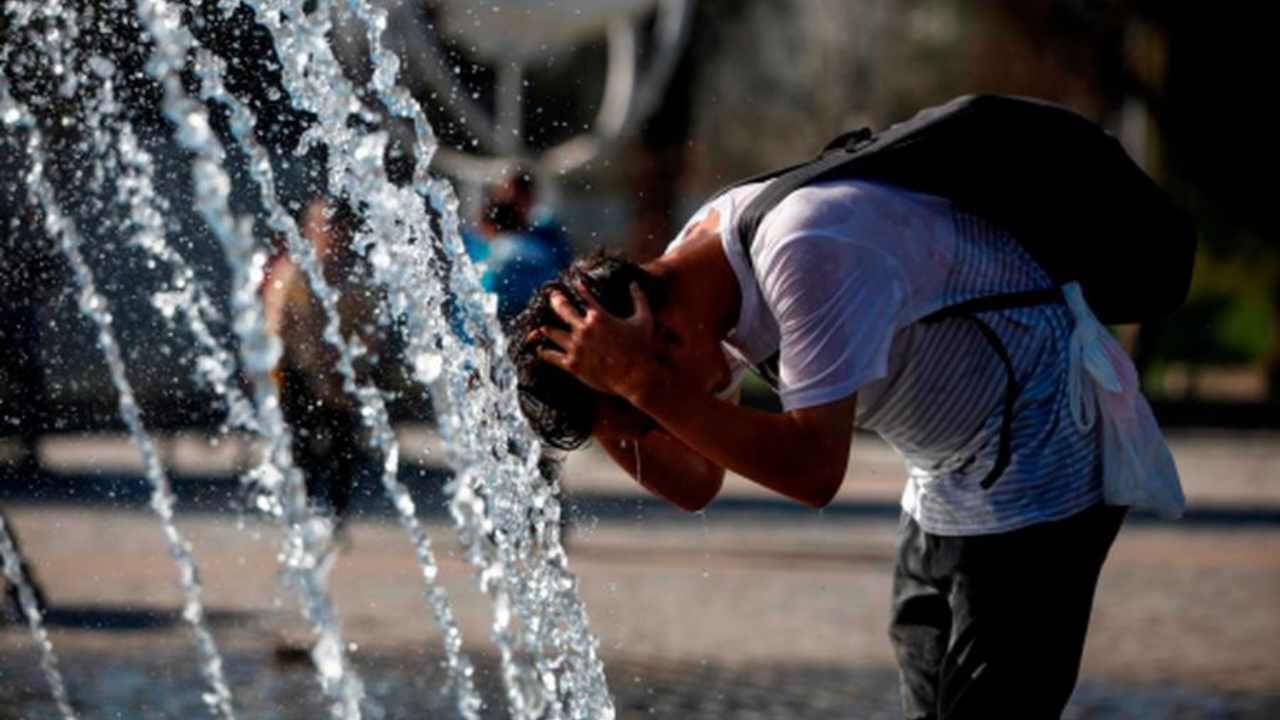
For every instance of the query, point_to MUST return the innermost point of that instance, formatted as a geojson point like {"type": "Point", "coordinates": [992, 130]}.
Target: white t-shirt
{"type": "Point", "coordinates": [840, 274]}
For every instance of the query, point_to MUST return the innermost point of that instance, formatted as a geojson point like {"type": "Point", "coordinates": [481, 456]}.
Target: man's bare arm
{"type": "Point", "coordinates": [801, 454]}
{"type": "Point", "coordinates": [661, 464]}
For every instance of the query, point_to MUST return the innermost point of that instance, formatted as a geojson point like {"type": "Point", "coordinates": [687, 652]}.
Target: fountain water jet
{"type": "Point", "coordinates": [11, 566]}
{"type": "Point", "coordinates": [307, 545]}
{"type": "Point", "coordinates": [382, 438]}
{"type": "Point", "coordinates": [162, 500]}
{"type": "Point", "coordinates": [498, 489]}
{"type": "Point", "coordinates": [507, 513]}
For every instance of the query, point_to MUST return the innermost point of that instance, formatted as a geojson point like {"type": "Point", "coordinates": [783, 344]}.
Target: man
{"type": "Point", "coordinates": [993, 587]}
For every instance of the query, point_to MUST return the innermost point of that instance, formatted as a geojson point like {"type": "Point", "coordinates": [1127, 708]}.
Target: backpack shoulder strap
{"type": "Point", "coordinates": [839, 153]}
{"type": "Point", "coordinates": [778, 172]}
{"type": "Point", "coordinates": [862, 153]}
{"type": "Point", "coordinates": [969, 310]}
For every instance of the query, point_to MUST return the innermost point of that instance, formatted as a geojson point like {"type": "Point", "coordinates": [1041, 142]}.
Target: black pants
{"type": "Point", "coordinates": [22, 393]}
{"type": "Point", "coordinates": [993, 626]}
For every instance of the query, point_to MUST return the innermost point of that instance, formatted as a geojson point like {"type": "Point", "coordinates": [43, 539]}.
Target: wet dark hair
{"type": "Point", "coordinates": [560, 409]}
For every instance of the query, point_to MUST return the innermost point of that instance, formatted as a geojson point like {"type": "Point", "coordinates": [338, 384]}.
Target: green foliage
{"type": "Point", "coordinates": [1247, 329]}
{"type": "Point", "coordinates": [1219, 329]}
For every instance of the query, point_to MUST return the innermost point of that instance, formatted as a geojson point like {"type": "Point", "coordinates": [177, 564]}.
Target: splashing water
{"type": "Point", "coordinates": [550, 664]}
{"type": "Point", "coordinates": [581, 685]}
{"type": "Point", "coordinates": [94, 306]}
{"type": "Point", "coordinates": [116, 148]}
{"type": "Point", "coordinates": [11, 564]}
{"type": "Point", "coordinates": [307, 546]}
{"type": "Point", "coordinates": [372, 401]}
{"type": "Point", "coordinates": [507, 514]}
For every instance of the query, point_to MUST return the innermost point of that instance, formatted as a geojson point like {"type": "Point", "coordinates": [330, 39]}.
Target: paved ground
{"type": "Point", "coordinates": [755, 609]}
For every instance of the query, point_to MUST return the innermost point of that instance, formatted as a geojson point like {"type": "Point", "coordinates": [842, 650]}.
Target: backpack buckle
{"type": "Point", "coordinates": [850, 141]}
{"type": "Point", "coordinates": [855, 140]}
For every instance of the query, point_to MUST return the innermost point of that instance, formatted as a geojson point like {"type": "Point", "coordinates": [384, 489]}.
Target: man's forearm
{"type": "Point", "coordinates": [666, 467]}
{"type": "Point", "coordinates": [800, 454]}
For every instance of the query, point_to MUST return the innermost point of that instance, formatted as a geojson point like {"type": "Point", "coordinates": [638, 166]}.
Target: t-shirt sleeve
{"type": "Point", "coordinates": [738, 369]}
{"type": "Point", "coordinates": [836, 302]}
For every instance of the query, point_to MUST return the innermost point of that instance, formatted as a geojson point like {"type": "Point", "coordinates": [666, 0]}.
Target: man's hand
{"type": "Point", "coordinates": [616, 356]}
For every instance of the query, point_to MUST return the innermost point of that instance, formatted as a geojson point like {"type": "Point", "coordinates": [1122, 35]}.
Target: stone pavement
{"type": "Point", "coordinates": [754, 609]}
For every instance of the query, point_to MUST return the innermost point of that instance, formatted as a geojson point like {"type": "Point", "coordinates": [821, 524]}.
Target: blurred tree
{"type": "Point", "coordinates": [1219, 144]}
{"type": "Point", "coordinates": [782, 78]}
{"type": "Point", "coordinates": [659, 153]}
{"type": "Point", "coordinates": [1180, 84]}
{"type": "Point", "coordinates": [739, 97]}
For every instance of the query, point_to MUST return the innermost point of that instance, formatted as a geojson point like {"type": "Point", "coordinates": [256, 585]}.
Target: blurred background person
{"type": "Point", "coordinates": [330, 440]}
{"type": "Point", "coordinates": [520, 243]}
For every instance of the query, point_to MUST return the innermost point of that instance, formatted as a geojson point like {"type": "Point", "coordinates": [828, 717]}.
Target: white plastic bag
{"type": "Point", "coordinates": [1137, 468]}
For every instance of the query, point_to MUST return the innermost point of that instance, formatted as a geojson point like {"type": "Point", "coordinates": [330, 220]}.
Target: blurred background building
{"type": "Point", "coordinates": [631, 112]}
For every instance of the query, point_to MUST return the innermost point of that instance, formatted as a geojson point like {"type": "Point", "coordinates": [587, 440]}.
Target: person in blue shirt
{"type": "Point", "coordinates": [515, 266]}
{"type": "Point", "coordinates": [518, 245]}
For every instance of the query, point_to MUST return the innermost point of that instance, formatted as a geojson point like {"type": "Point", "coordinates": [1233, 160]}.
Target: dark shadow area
{"type": "Point", "coordinates": [124, 618]}
{"type": "Point", "coordinates": [165, 683]}
{"type": "Point", "coordinates": [621, 507]}
{"type": "Point", "coordinates": [427, 484]}
{"type": "Point", "coordinates": [210, 494]}
{"type": "Point", "coordinates": [777, 560]}
{"type": "Point", "coordinates": [607, 507]}
{"type": "Point", "coordinates": [1261, 415]}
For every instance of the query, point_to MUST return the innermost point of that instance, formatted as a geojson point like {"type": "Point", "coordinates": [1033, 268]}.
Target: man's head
{"type": "Point", "coordinates": [561, 409]}
{"type": "Point", "coordinates": [509, 202]}
{"type": "Point", "coordinates": [693, 298]}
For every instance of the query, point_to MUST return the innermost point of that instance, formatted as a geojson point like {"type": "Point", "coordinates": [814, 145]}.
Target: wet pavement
{"type": "Point", "coordinates": [755, 609]}
{"type": "Point", "coordinates": [411, 686]}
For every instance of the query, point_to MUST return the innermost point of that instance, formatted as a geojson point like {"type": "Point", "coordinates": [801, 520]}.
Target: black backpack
{"type": "Point", "coordinates": [1060, 184]}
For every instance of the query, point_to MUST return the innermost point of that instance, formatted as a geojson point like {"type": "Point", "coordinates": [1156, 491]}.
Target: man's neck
{"type": "Point", "coordinates": [702, 279]}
